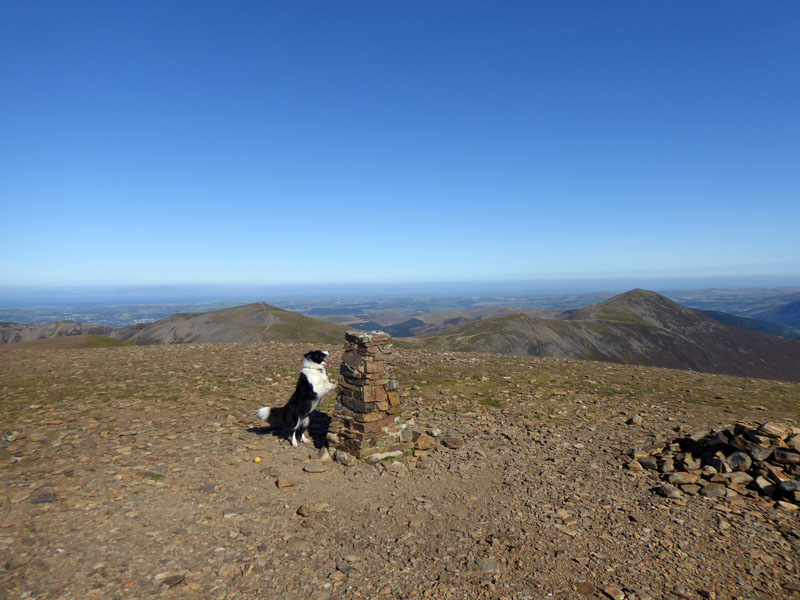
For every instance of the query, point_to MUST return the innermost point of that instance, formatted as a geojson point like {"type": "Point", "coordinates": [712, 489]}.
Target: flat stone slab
{"type": "Point", "coordinates": [315, 467]}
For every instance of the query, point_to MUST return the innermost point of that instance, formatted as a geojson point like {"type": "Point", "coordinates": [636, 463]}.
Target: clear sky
{"type": "Point", "coordinates": [149, 142]}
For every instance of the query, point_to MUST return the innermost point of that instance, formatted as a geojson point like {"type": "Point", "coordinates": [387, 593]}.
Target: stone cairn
{"type": "Point", "coordinates": [758, 460]}
{"type": "Point", "coordinates": [366, 421]}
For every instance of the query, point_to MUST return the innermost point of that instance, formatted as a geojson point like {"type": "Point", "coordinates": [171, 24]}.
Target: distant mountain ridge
{"type": "Point", "coordinates": [67, 342]}
{"type": "Point", "coordinates": [257, 322]}
{"type": "Point", "coordinates": [779, 306]}
{"type": "Point", "coordinates": [25, 332]}
{"type": "Point", "coordinates": [637, 327]}
{"type": "Point", "coordinates": [786, 315]}
{"type": "Point", "coordinates": [400, 325]}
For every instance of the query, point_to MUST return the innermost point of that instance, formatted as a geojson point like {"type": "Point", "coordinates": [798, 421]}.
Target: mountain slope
{"type": "Point", "coordinates": [256, 322]}
{"type": "Point", "coordinates": [25, 332]}
{"type": "Point", "coordinates": [638, 327]}
{"type": "Point", "coordinates": [66, 342]}
{"type": "Point", "coordinates": [752, 324]}
{"type": "Point", "coordinates": [402, 329]}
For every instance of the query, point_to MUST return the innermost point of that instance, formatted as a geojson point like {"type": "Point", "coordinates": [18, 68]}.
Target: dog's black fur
{"type": "Point", "coordinates": [312, 385]}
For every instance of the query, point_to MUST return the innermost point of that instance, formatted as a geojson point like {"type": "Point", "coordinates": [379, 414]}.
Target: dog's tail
{"type": "Point", "coordinates": [273, 416]}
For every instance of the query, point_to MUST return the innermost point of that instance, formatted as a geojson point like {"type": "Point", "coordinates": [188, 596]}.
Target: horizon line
{"type": "Point", "coordinates": [792, 280]}
{"type": "Point", "coordinates": [64, 295]}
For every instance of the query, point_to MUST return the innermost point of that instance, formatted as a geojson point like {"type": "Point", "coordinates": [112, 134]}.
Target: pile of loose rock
{"type": "Point", "coordinates": [760, 459]}
{"type": "Point", "coordinates": [366, 419]}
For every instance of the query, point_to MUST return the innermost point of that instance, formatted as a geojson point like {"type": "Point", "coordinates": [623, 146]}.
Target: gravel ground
{"type": "Point", "coordinates": [130, 473]}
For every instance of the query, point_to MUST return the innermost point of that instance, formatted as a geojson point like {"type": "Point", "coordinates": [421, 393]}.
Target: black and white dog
{"type": "Point", "coordinates": [312, 385]}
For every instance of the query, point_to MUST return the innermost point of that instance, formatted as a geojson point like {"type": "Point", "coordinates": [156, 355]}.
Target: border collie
{"type": "Point", "coordinates": [312, 385]}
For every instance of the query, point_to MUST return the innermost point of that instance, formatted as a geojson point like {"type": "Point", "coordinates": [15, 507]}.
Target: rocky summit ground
{"type": "Point", "coordinates": [129, 473]}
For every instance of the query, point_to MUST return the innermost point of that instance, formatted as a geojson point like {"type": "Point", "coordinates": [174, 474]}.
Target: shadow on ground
{"type": "Point", "coordinates": [317, 429]}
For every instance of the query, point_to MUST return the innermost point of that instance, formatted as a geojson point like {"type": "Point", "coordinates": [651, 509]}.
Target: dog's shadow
{"type": "Point", "coordinates": [318, 429]}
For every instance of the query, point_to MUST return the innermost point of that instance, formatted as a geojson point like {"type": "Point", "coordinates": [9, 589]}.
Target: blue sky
{"type": "Point", "coordinates": [152, 143]}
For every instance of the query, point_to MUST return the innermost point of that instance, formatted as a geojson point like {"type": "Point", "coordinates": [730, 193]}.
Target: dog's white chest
{"type": "Point", "coordinates": [319, 381]}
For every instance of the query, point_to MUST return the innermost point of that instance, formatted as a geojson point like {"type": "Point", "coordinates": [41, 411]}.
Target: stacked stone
{"type": "Point", "coordinates": [365, 418]}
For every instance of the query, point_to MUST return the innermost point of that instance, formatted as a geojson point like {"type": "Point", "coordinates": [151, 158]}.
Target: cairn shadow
{"type": "Point", "coordinates": [318, 429]}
